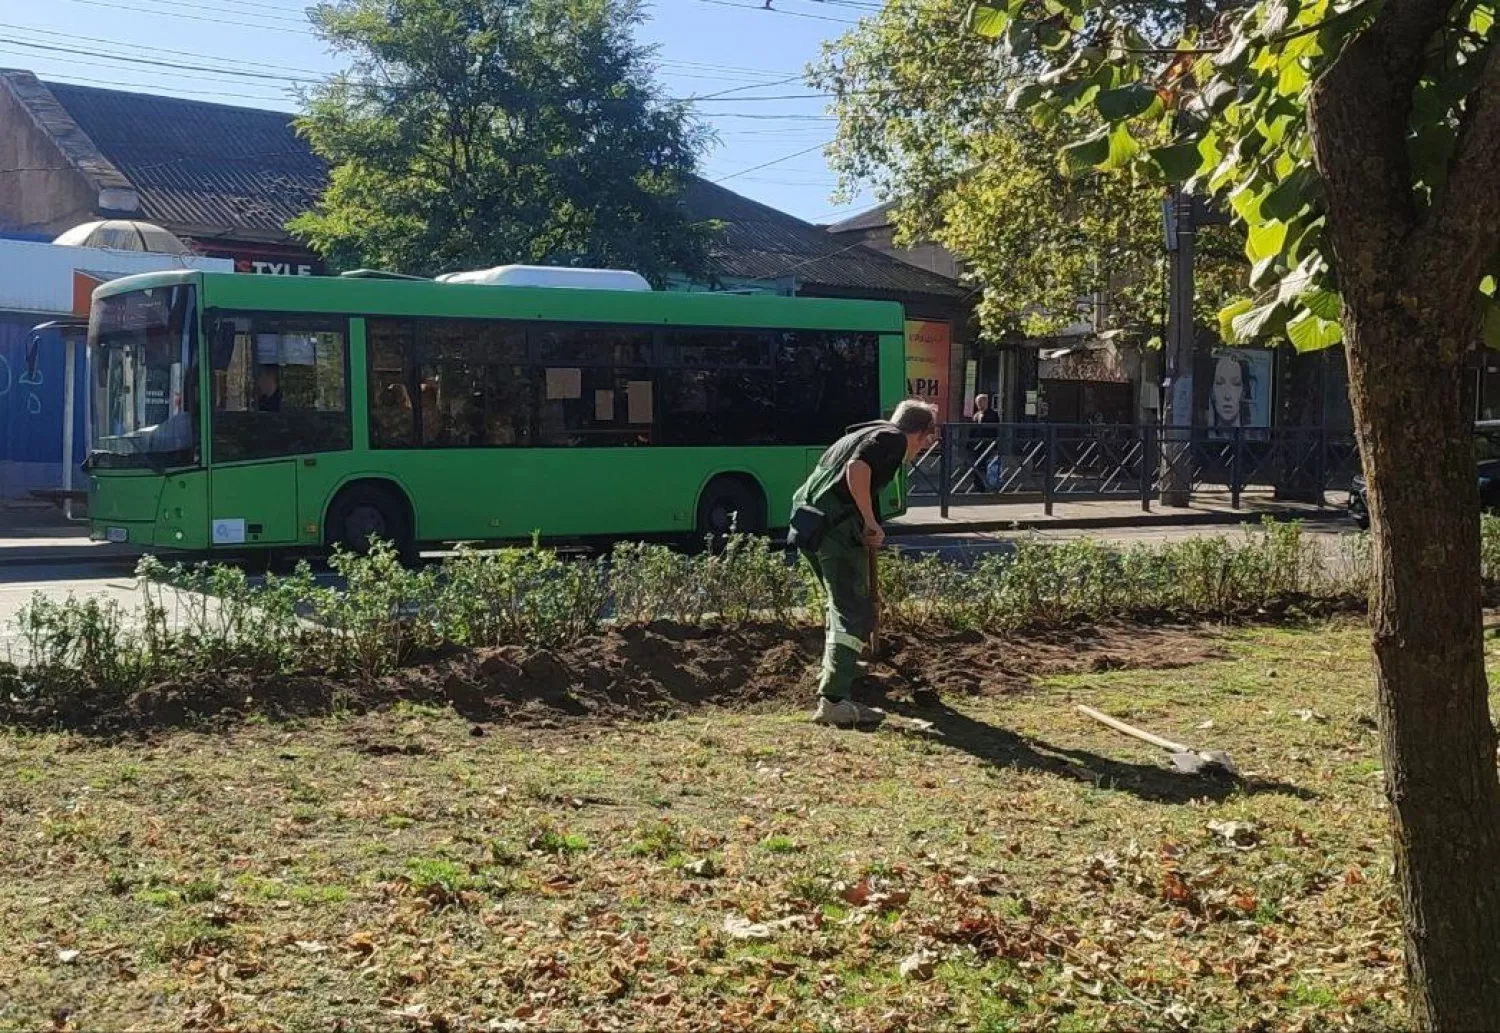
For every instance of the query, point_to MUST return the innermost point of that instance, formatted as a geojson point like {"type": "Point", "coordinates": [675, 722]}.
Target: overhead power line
{"type": "Point", "coordinates": [74, 37]}
{"type": "Point", "coordinates": [118, 6]}
{"type": "Point", "coordinates": [768, 164]}
{"type": "Point", "coordinates": [178, 68]}
{"type": "Point", "coordinates": [666, 66]}
{"type": "Point", "coordinates": [778, 10]}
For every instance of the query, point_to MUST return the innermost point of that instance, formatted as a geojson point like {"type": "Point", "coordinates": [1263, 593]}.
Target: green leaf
{"type": "Point", "coordinates": [1122, 147]}
{"type": "Point", "coordinates": [1277, 13]}
{"type": "Point", "coordinates": [1246, 202]}
{"type": "Point", "coordinates": [1265, 240]}
{"type": "Point", "coordinates": [1287, 198]}
{"type": "Point", "coordinates": [1324, 304]}
{"type": "Point", "coordinates": [1490, 331]}
{"type": "Point", "coordinates": [988, 21]}
{"type": "Point", "coordinates": [1293, 78]}
{"type": "Point", "coordinates": [1310, 332]}
{"type": "Point", "coordinates": [1020, 34]}
{"type": "Point", "coordinates": [1179, 162]}
{"type": "Point", "coordinates": [1229, 59]}
{"type": "Point", "coordinates": [1229, 313]}
{"type": "Point", "coordinates": [1217, 95]}
{"type": "Point", "coordinates": [1126, 102]}
{"type": "Point", "coordinates": [1024, 97]}
{"type": "Point", "coordinates": [1487, 286]}
{"type": "Point", "coordinates": [1088, 153]}
{"type": "Point", "coordinates": [1482, 20]}
{"type": "Point", "coordinates": [1261, 271]}
{"type": "Point", "coordinates": [1258, 323]}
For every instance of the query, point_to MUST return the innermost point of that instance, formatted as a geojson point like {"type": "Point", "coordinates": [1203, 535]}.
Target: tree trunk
{"type": "Point", "coordinates": [1409, 279]}
{"type": "Point", "coordinates": [1439, 743]}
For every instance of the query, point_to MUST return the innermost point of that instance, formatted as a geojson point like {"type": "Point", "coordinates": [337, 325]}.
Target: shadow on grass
{"type": "Point", "coordinates": [1006, 749]}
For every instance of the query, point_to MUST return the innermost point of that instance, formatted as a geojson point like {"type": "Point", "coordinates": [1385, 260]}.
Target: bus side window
{"type": "Point", "coordinates": [825, 381]}
{"type": "Point", "coordinates": [596, 387]}
{"type": "Point", "coordinates": [717, 388]}
{"type": "Point", "coordinates": [282, 390]}
{"type": "Point", "coordinates": [392, 400]}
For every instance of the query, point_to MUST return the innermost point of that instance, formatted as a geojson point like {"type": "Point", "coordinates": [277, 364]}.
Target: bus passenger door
{"type": "Point", "coordinates": [255, 504]}
{"type": "Point", "coordinates": [278, 388]}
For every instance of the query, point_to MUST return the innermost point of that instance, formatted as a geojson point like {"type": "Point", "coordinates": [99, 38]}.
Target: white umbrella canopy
{"type": "Point", "coordinates": [124, 235]}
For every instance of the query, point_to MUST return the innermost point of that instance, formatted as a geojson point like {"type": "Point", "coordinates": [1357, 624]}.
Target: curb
{"type": "Point", "coordinates": [954, 526]}
{"type": "Point", "coordinates": [41, 555]}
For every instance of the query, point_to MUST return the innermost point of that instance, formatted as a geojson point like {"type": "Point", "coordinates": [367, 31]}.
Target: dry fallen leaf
{"type": "Point", "coordinates": [311, 946]}
{"type": "Point", "coordinates": [1241, 834]}
{"type": "Point", "coordinates": [703, 868]}
{"type": "Point", "coordinates": [744, 929]}
{"type": "Point", "coordinates": [918, 966]}
{"type": "Point", "coordinates": [1176, 890]}
{"type": "Point", "coordinates": [68, 957]}
{"type": "Point", "coordinates": [360, 943]}
{"type": "Point", "coordinates": [858, 894]}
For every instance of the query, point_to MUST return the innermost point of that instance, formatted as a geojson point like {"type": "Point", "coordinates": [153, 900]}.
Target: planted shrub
{"type": "Point", "coordinates": [86, 655]}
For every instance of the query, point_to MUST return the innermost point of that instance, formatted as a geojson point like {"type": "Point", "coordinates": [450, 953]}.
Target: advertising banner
{"type": "Point", "coordinates": [928, 347]}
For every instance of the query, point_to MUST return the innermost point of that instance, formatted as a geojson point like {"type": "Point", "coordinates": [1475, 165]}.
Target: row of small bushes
{"type": "Point", "coordinates": [212, 619]}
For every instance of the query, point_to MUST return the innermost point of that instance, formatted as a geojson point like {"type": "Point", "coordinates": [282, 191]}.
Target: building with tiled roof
{"type": "Point", "coordinates": [228, 179]}
{"type": "Point", "coordinates": [221, 176]}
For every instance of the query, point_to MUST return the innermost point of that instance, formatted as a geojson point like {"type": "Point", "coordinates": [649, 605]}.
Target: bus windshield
{"type": "Point", "coordinates": [143, 356]}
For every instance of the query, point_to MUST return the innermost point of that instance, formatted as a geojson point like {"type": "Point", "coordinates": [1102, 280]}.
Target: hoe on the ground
{"type": "Point", "coordinates": [1184, 758]}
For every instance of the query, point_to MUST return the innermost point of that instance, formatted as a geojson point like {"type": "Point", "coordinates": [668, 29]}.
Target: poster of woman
{"type": "Point", "coordinates": [1238, 388]}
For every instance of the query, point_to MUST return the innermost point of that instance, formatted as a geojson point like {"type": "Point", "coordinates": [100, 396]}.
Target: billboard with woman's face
{"type": "Point", "coordinates": [1234, 388]}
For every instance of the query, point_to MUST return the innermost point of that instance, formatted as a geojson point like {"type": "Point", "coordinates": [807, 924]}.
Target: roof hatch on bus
{"type": "Point", "coordinates": [551, 276]}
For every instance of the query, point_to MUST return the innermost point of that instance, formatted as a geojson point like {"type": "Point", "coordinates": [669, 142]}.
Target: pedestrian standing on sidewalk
{"type": "Point", "coordinates": [983, 441]}
{"type": "Point", "coordinates": [834, 524]}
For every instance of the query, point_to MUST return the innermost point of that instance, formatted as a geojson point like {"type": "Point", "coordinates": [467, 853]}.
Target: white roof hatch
{"type": "Point", "coordinates": [551, 276]}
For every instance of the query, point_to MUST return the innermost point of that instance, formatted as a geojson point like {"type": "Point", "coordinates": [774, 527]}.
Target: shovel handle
{"type": "Point", "coordinates": [1131, 730]}
{"type": "Point", "coordinates": [873, 556]}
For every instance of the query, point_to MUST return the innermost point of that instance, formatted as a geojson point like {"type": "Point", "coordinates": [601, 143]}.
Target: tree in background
{"type": "Point", "coordinates": [473, 133]}
{"type": "Point", "coordinates": [925, 115]}
{"type": "Point", "coordinates": [1358, 143]}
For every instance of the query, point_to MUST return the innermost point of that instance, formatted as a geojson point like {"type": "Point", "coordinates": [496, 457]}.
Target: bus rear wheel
{"type": "Point", "coordinates": [365, 511]}
{"type": "Point", "coordinates": [731, 504]}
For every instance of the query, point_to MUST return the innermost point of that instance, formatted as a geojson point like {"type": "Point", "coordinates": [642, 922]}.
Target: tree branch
{"type": "Point", "coordinates": [1462, 228]}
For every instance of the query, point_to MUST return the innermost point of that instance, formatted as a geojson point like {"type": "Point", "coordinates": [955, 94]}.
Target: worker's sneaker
{"type": "Point", "coordinates": [845, 713]}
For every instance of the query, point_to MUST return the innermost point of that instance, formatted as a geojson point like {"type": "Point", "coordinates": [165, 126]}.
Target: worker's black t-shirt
{"type": "Point", "coordinates": [883, 452]}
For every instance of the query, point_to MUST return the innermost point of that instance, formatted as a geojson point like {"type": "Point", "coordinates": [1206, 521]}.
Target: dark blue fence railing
{"type": "Point", "coordinates": [1054, 462]}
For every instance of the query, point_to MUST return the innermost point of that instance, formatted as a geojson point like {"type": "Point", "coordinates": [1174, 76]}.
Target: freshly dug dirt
{"type": "Point", "coordinates": [661, 670]}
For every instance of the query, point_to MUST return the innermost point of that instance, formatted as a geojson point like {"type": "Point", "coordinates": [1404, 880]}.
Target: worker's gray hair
{"type": "Point", "coordinates": [914, 417]}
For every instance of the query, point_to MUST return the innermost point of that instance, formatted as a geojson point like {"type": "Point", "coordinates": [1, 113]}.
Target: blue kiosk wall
{"type": "Point", "coordinates": [31, 408]}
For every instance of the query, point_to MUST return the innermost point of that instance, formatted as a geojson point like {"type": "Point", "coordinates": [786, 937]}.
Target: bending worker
{"type": "Point", "coordinates": [834, 523]}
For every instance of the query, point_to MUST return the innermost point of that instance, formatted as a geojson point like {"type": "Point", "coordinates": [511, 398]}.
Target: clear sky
{"type": "Point", "coordinates": [705, 47]}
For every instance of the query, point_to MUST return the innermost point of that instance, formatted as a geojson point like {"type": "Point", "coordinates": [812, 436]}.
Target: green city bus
{"type": "Point", "coordinates": [232, 412]}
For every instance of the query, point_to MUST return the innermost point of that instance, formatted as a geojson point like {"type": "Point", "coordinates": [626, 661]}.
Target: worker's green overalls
{"type": "Point", "coordinates": [841, 564]}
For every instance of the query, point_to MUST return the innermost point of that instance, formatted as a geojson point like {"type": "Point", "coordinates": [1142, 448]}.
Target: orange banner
{"type": "Point", "coordinates": [928, 347]}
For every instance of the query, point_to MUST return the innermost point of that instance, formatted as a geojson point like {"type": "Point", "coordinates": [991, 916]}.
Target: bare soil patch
{"type": "Point", "coordinates": [658, 670]}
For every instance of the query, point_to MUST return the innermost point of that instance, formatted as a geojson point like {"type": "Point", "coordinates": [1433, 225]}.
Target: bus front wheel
{"type": "Point", "coordinates": [365, 511]}
{"type": "Point", "coordinates": [731, 503]}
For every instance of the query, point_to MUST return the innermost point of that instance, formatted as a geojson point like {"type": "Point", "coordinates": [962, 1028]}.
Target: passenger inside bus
{"type": "Point", "coordinates": [268, 389]}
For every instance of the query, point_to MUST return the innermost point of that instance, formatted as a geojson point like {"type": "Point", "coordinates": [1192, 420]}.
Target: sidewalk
{"type": "Point", "coordinates": [48, 541]}
{"type": "Point", "coordinates": [924, 516]}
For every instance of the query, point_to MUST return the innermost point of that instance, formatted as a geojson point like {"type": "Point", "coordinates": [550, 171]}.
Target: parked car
{"type": "Point", "coordinates": [1486, 456]}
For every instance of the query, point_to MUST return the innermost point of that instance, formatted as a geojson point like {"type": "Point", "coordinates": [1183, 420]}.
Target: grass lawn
{"type": "Point", "coordinates": [1015, 866]}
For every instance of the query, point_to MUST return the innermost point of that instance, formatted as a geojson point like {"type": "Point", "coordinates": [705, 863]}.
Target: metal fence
{"type": "Point", "coordinates": [1050, 463]}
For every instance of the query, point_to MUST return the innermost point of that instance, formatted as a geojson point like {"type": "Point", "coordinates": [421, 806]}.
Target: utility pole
{"type": "Point", "coordinates": [1183, 213]}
